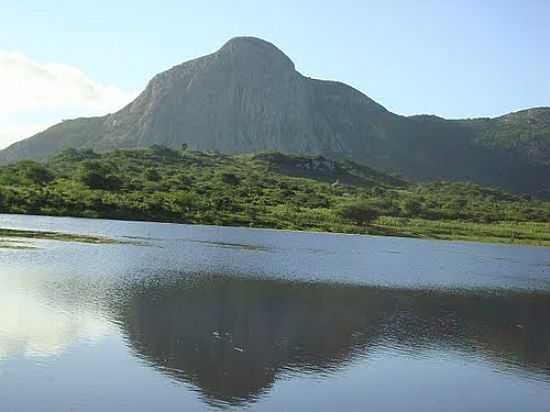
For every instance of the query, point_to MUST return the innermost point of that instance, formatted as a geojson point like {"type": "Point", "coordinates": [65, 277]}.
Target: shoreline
{"type": "Point", "coordinates": [378, 230]}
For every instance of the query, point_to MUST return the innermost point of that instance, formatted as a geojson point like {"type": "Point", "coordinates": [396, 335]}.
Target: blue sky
{"type": "Point", "coordinates": [451, 58]}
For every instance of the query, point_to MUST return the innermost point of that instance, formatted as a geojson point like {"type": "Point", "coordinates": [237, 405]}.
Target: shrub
{"type": "Point", "coordinates": [361, 213]}
{"type": "Point", "coordinates": [230, 179]}
{"type": "Point", "coordinates": [411, 207]}
{"type": "Point", "coordinates": [152, 175]}
{"type": "Point", "coordinates": [35, 172]}
{"type": "Point", "coordinates": [163, 151]}
{"type": "Point", "coordinates": [96, 175]}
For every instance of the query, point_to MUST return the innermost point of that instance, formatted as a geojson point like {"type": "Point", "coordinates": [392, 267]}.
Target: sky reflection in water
{"type": "Point", "coordinates": [185, 324]}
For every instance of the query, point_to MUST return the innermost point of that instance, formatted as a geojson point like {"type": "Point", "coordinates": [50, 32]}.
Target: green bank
{"type": "Point", "coordinates": [269, 190]}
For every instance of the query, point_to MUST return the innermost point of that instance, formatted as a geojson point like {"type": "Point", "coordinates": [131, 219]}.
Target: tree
{"type": "Point", "coordinates": [35, 172]}
{"type": "Point", "coordinates": [230, 179]}
{"type": "Point", "coordinates": [73, 154]}
{"type": "Point", "coordinates": [96, 175]}
{"type": "Point", "coordinates": [361, 213]}
{"type": "Point", "coordinates": [187, 201]}
{"type": "Point", "coordinates": [2, 200]}
{"type": "Point", "coordinates": [163, 151]}
{"type": "Point", "coordinates": [411, 207]}
{"type": "Point", "coordinates": [152, 175]}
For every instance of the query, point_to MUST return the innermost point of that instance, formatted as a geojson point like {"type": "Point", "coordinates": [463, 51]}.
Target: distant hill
{"type": "Point", "coordinates": [247, 97]}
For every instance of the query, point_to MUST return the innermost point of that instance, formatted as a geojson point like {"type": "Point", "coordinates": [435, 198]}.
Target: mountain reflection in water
{"type": "Point", "coordinates": [232, 338]}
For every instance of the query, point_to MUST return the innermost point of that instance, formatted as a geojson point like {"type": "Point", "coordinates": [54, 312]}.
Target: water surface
{"type": "Point", "coordinates": [208, 318]}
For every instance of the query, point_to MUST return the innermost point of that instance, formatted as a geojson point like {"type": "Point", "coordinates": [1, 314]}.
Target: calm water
{"type": "Point", "coordinates": [209, 318]}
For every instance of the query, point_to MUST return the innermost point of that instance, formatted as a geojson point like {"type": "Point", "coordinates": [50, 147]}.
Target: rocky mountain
{"type": "Point", "coordinates": [248, 97]}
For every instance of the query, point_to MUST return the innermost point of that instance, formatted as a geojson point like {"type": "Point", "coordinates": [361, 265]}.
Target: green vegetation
{"type": "Point", "coordinates": [10, 238]}
{"type": "Point", "coordinates": [267, 190]}
{"type": "Point", "coordinates": [14, 245]}
{"type": "Point", "coordinates": [526, 132]}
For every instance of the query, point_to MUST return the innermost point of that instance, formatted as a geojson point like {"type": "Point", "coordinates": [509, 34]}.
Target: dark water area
{"type": "Point", "coordinates": [209, 318]}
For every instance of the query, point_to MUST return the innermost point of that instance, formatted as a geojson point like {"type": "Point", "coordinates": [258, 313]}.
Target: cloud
{"type": "Point", "coordinates": [34, 96]}
{"type": "Point", "coordinates": [32, 324]}
{"type": "Point", "coordinates": [9, 133]}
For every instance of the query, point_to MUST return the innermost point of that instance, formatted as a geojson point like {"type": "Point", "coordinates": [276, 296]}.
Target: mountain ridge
{"type": "Point", "coordinates": [248, 97]}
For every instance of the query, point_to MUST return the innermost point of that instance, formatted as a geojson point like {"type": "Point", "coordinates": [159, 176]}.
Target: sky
{"type": "Point", "coordinates": [456, 59]}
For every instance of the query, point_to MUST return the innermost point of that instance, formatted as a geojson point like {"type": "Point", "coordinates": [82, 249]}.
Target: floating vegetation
{"type": "Point", "coordinates": [7, 236]}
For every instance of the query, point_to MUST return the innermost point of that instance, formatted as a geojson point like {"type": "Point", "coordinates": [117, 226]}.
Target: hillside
{"type": "Point", "coordinates": [524, 133]}
{"type": "Point", "coordinates": [247, 97]}
{"type": "Point", "coordinates": [270, 190]}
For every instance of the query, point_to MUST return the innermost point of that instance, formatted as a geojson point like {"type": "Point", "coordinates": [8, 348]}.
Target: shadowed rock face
{"type": "Point", "coordinates": [248, 97]}
{"type": "Point", "coordinates": [232, 338]}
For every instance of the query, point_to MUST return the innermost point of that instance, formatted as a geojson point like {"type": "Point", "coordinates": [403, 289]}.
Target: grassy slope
{"type": "Point", "coordinates": [268, 190]}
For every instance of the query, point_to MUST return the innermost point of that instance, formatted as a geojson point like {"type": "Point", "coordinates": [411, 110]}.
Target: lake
{"type": "Point", "coordinates": [199, 318]}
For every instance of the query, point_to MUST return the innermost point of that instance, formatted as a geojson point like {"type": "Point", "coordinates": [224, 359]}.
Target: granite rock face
{"type": "Point", "coordinates": [248, 97]}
